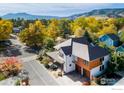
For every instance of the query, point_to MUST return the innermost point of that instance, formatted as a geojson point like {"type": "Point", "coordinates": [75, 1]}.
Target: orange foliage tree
{"type": "Point", "coordinates": [11, 66]}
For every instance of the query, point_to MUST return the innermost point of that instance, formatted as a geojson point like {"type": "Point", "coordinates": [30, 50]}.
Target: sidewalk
{"type": "Point", "coordinates": [8, 82]}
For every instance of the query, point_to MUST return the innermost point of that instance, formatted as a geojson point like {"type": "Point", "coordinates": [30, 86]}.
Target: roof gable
{"type": "Point", "coordinates": [80, 50]}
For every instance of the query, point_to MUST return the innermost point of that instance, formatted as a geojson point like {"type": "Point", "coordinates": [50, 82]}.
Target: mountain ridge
{"type": "Point", "coordinates": [108, 12]}
{"type": "Point", "coordinates": [26, 16]}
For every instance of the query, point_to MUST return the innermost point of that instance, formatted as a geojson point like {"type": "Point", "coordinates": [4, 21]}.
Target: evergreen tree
{"type": "Point", "coordinates": [87, 35]}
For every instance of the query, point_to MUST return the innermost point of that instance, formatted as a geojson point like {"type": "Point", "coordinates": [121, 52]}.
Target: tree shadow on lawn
{"type": "Point", "coordinates": [11, 51]}
{"type": "Point", "coordinates": [33, 50]}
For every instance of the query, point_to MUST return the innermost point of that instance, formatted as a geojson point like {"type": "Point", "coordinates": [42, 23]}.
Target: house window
{"type": "Point", "coordinates": [85, 62]}
{"type": "Point", "coordinates": [70, 65]}
{"type": "Point", "coordinates": [61, 55]}
{"type": "Point", "coordinates": [102, 68]}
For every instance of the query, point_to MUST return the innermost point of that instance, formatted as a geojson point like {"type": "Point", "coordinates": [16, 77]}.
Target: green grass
{"type": "Point", "coordinates": [2, 76]}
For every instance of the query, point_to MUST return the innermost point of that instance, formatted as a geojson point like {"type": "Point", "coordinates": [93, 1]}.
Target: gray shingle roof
{"type": "Point", "coordinates": [82, 40]}
{"type": "Point", "coordinates": [113, 37]}
{"type": "Point", "coordinates": [96, 52]}
{"type": "Point", "coordinates": [67, 50]}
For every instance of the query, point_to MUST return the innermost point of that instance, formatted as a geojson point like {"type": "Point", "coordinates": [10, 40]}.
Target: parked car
{"type": "Point", "coordinates": [54, 67]}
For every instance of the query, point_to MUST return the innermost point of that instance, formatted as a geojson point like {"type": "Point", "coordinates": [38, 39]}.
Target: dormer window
{"type": "Point", "coordinates": [86, 62]}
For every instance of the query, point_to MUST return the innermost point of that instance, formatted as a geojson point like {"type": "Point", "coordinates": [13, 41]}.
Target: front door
{"type": "Point", "coordinates": [78, 69]}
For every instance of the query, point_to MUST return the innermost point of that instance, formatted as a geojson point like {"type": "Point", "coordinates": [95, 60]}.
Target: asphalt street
{"type": "Point", "coordinates": [38, 74]}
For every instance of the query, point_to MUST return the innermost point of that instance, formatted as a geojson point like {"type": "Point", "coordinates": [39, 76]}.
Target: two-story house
{"type": "Point", "coordinates": [17, 29]}
{"type": "Point", "coordinates": [110, 40]}
{"type": "Point", "coordinates": [78, 54]}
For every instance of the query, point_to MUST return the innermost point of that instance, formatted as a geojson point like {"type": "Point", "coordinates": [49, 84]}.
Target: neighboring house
{"type": "Point", "coordinates": [78, 54]}
{"type": "Point", "coordinates": [120, 49]}
{"type": "Point", "coordinates": [110, 40]}
{"type": "Point", "coordinates": [17, 29]}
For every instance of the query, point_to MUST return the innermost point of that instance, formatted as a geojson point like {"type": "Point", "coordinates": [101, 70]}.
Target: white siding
{"type": "Point", "coordinates": [68, 60]}
{"type": "Point", "coordinates": [80, 50]}
{"type": "Point", "coordinates": [96, 71]}
{"type": "Point", "coordinates": [69, 66]}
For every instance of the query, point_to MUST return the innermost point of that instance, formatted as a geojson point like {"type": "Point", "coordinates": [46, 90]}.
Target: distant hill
{"type": "Point", "coordinates": [116, 12]}
{"type": "Point", "coordinates": [26, 16]}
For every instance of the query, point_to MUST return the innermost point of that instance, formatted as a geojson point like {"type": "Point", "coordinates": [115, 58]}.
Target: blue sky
{"type": "Point", "coordinates": [53, 9]}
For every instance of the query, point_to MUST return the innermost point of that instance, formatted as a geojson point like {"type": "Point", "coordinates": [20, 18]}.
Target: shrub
{"type": "Point", "coordinates": [45, 60]}
{"type": "Point", "coordinates": [17, 83]}
{"type": "Point", "coordinates": [11, 65]}
{"type": "Point", "coordinates": [2, 76]}
{"type": "Point", "coordinates": [47, 66]}
{"type": "Point", "coordinates": [60, 74]}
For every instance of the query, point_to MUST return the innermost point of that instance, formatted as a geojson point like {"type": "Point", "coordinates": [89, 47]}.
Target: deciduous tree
{"type": "Point", "coordinates": [5, 29]}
